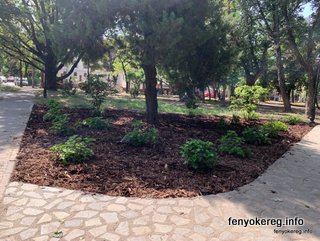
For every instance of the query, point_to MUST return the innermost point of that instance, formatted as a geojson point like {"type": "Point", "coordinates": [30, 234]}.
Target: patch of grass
{"type": "Point", "coordinates": [9, 88]}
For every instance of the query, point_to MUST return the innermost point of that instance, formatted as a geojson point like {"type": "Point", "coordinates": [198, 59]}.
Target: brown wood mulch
{"type": "Point", "coordinates": [154, 171]}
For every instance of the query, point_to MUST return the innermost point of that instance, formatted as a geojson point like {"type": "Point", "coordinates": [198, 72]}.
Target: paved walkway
{"type": "Point", "coordinates": [289, 188]}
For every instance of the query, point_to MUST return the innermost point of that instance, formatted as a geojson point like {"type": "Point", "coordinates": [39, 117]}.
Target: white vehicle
{"type": "Point", "coordinates": [2, 79]}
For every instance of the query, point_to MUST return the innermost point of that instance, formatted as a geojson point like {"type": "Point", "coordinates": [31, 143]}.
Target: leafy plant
{"type": "Point", "coordinates": [60, 125]}
{"type": "Point", "coordinates": [199, 154]}
{"type": "Point", "coordinates": [76, 149]}
{"type": "Point", "coordinates": [97, 123]}
{"type": "Point", "coordinates": [138, 137]}
{"type": "Point", "coordinates": [221, 124]}
{"type": "Point", "coordinates": [249, 115]}
{"type": "Point", "coordinates": [273, 128]}
{"type": "Point", "coordinates": [256, 135]}
{"type": "Point", "coordinates": [232, 144]}
{"type": "Point", "coordinates": [235, 120]}
{"type": "Point", "coordinates": [98, 90]}
{"type": "Point", "coordinates": [54, 111]}
{"type": "Point", "coordinates": [294, 119]}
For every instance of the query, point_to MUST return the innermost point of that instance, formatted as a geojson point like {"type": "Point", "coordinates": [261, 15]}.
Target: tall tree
{"type": "Point", "coordinates": [305, 53]}
{"type": "Point", "coordinates": [156, 30]}
{"type": "Point", "coordinates": [47, 34]}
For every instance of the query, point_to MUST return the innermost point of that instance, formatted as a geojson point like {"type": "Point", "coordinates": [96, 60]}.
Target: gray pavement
{"type": "Point", "coordinates": [289, 188]}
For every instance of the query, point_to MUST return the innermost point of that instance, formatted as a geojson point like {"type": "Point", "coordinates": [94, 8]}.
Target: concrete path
{"type": "Point", "coordinates": [289, 189]}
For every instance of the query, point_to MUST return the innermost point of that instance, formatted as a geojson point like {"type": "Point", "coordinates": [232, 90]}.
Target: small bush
{"type": "Point", "coordinates": [54, 111]}
{"type": "Point", "coordinates": [273, 128]}
{"type": "Point", "coordinates": [294, 119]}
{"type": "Point", "coordinates": [249, 115]}
{"type": "Point", "coordinates": [256, 136]}
{"type": "Point", "coordinates": [235, 120]}
{"type": "Point", "coordinates": [222, 124]}
{"type": "Point", "coordinates": [60, 125]}
{"type": "Point", "coordinates": [139, 137]}
{"type": "Point", "coordinates": [97, 123]}
{"type": "Point", "coordinates": [199, 154]}
{"type": "Point", "coordinates": [76, 149]}
{"type": "Point", "coordinates": [231, 144]}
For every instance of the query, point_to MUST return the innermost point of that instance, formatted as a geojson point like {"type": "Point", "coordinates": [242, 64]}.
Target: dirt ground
{"type": "Point", "coordinates": [156, 171]}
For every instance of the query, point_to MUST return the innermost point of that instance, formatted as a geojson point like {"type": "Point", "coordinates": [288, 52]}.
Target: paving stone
{"type": "Point", "coordinates": [159, 218]}
{"type": "Point", "coordinates": [65, 193]}
{"type": "Point", "coordinates": [165, 209]}
{"type": "Point", "coordinates": [6, 225]}
{"type": "Point", "coordinates": [110, 237]}
{"type": "Point", "coordinates": [129, 214]}
{"type": "Point", "coordinates": [28, 221]}
{"type": "Point", "coordinates": [11, 231]}
{"type": "Point", "coordinates": [159, 237]}
{"type": "Point", "coordinates": [61, 215]}
{"type": "Point", "coordinates": [141, 230]}
{"type": "Point", "coordinates": [121, 200]}
{"type": "Point", "coordinates": [86, 214]}
{"type": "Point", "coordinates": [15, 217]}
{"type": "Point", "coordinates": [74, 223]}
{"type": "Point", "coordinates": [93, 222]}
{"type": "Point", "coordinates": [21, 202]}
{"type": "Point", "coordinates": [201, 217]}
{"type": "Point", "coordinates": [182, 231]}
{"type": "Point", "coordinates": [65, 205]}
{"type": "Point", "coordinates": [13, 209]}
{"type": "Point", "coordinates": [123, 229]}
{"type": "Point", "coordinates": [13, 184]}
{"type": "Point", "coordinates": [207, 231]}
{"type": "Point", "coordinates": [74, 235]}
{"type": "Point", "coordinates": [33, 195]}
{"type": "Point", "coordinates": [135, 207]}
{"type": "Point", "coordinates": [36, 202]}
{"type": "Point", "coordinates": [45, 219]}
{"type": "Point", "coordinates": [179, 220]}
{"type": "Point", "coordinates": [73, 196]}
{"type": "Point", "coordinates": [28, 234]}
{"type": "Point", "coordinates": [78, 207]}
{"type": "Point", "coordinates": [53, 203]}
{"type": "Point", "coordinates": [28, 187]}
{"type": "Point", "coordinates": [32, 211]}
{"type": "Point", "coordinates": [110, 217]}
{"type": "Point", "coordinates": [11, 191]}
{"type": "Point", "coordinates": [8, 200]}
{"type": "Point", "coordinates": [161, 228]}
{"type": "Point", "coordinates": [87, 199]}
{"type": "Point", "coordinates": [197, 237]}
{"type": "Point", "coordinates": [98, 206]}
{"type": "Point", "coordinates": [144, 220]}
{"type": "Point", "coordinates": [42, 238]}
{"type": "Point", "coordinates": [116, 208]}
{"type": "Point", "coordinates": [95, 232]}
{"type": "Point", "coordinates": [49, 228]}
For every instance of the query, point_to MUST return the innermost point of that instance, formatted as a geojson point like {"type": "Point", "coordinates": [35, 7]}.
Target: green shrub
{"type": "Point", "coordinates": [256, 136]}
{"type": "Point", "coordinates": [54, 111]}
{"type": "Point", "coordinates": [138, 137]}
{"type": "Point", "coordinates": [60, 125]}
{"type": "Point", "coordinates": [232, 144]}
{"type": "Point", "coordinates": [235, 120]}
{"type": "Point", "coordinates": [199, 154]}
{"type": "Point", "coordinates": [97, 123]}
{"type": "Point", "coordinates": [294, 119]}
{"type": "Point", "coordinates": [98, 90]}
{"type": "Point", "coordinates": [273, 128]}
{"type": "Point", "coordinates": [76, 149]}
{"type": "Point", "coordinates": [222, 124]}
{"type": "Point", "coordinates": [249, 115]}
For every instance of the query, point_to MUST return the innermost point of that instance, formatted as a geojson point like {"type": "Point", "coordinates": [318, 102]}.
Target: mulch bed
{"type": "Point", "coordinates": [154, 171]}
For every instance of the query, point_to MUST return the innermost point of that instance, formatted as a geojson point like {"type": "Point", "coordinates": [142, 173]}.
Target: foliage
{"type": "Point", "coordinates": [98, 90]}
{"type": "Point", "coordinates": [68, 88]}
{"type": "Point", "coordinates": [139, 137]}
{"type": "Point", "coordinates": [199, 154]}
{"type": "Point", "coordinates": [97, 123]}
{"type": "Point", "coordinates": [54, 111]}
{"type": "Point", "coordinates": [76, 149]}
{"type": "Point", "coordinates": [232, 144]}
{"type": "Point", "coordinates": [256, 135]}
{"type": "Point", "coordinates": [221, 124]}
{"type": "Point", "coordinates": [247, 97]}
{"type": "Point", "coordinates": [294, 119]}
{"type": "Point", "coordinates": [235, 119]}
{"type": "Point", "coordinates": [249, 115]}
{"type": "Point", "coordinates": [273, 128]}
{"type": "Point", "coordinates": [9, 88]}
{"type": "Point", "coordinates": [60, 125]}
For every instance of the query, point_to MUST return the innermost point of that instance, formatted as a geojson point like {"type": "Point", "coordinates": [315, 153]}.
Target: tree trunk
{"type": "Point", "coordinates": [151, 94]}
{"type": "Point", "coordinates": [311, 95]}
{"type": "Point", "coordinates": [125, 76]}
{"type": "Point", "coordinates": [223, 95]}
{"type": "Point", "coordinates": [292, 96]}
{"type": "Point", "coordinates": [21, 74]}
{"type": "Point", "coordinates": [51, 74]}
{"type": "Point", "coordinates": [232, 90]}
{"type": "Point", "coordinates": [33, 70]}
{"type": "Point", "coordinates": [281, 78]}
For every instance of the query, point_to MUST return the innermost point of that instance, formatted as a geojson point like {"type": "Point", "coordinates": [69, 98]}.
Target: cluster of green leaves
{"type": "Point", "coordinates": [54, 110]}
{"type": "Point", "coordinates": [235, 119]}
{"type": "Point", "coordinates": [246, 98]}
{"type": "Point", "coordinates": [232, 144]}
{"type": "Point", "coordinates": [97, 123]}
{"type": "Point", "coordinates": [273, 128]}
{"type": "Point", "coordinates": [256, 136]}
{"type": "Point", "coordinates": [98, 90]}
{"type": "Point", "coordinates": [222, 124]}
{"type": "Point", "coordinates": [139, 137]}
{"type": "Point", "coordinates": [294, 119]}
{"type": "Point", "coordinates": [75, 150]}
{"type": "Point", "coordinates": [199, 154]}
